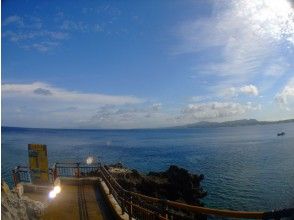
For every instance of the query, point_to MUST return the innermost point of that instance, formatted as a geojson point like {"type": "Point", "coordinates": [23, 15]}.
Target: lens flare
{"type": "Point", "coordinates": [57, 189]}
{"type": "Point", "coordinates": [89, 160]}
{"type": "Point", "coordinates": [52, 194]}
{"type": "Point", "coordinates": [269, 18]}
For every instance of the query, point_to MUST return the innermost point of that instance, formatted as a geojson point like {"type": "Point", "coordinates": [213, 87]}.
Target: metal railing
{"type": "Point", "coordinates": [139, 206]}
{"type": "Point", "coordinates": [74, 170]}
{"type": "Point", "coordinates": [22, 173]}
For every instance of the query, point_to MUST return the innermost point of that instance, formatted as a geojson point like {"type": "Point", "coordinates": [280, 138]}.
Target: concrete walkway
{"type": "Point", "coordinates": [76, 202]}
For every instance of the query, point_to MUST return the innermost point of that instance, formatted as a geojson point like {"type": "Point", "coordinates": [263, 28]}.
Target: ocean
{"type": "Point", "coordinates": [245, 168]}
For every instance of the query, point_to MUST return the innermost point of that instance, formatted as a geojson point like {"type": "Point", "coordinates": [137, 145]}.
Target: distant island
{"type": "Point", "coordinates": [242, 122]}
{"type": "Point", "coordinates": [202, 124]}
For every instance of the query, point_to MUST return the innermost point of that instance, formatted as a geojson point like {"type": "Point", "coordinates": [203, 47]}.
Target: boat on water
{"type": "Point", "coordinates": [281, 134]}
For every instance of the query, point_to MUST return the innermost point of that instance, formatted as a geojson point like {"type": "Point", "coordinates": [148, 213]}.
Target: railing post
{"type": "Point", "coordinates": [164, 209]}
{"type": "Point", "coordinates": [78, 166]}
{"type": "Point", "coordinates": [55, 172]}
{"type": "Point", "coordinates": [14, 177]}
{"type": "Point", "coordinates": [123, 203]}
{"type": "Point", "coordinates": [18, 177]}
{"type": "Point", "coordinates": [131, 208]}
{"type": "Point", "coordinates": [110, 188]}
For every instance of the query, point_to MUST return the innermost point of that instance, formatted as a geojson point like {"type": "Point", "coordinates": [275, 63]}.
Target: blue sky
{"type": "Point", "coordinates": [128, 64]}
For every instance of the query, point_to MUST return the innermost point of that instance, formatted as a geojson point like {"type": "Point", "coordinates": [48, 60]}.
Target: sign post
{"type": "Point", "coordinates": [38, 162]}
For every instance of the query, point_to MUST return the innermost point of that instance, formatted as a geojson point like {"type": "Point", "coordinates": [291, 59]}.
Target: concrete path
{"type": "Point", "coordinates": [75, 202]}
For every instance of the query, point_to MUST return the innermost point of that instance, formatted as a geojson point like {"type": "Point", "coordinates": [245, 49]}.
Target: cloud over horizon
{"type": "Point", "coordinates": [38, 90]}
{"type": "Point", "coordinates": [208, 60]}
{"type": "Point", "coordinates": [55, 104]}
{"type": "Point", "coordinates": [51, 105]}
{"type": "Point", "coordinates": [216, 110]}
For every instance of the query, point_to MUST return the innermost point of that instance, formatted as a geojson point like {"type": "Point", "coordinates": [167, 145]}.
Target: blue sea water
{"type": "Point", "coordinates": [245, 168]}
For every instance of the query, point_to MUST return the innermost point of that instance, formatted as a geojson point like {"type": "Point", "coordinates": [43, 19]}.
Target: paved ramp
{"type": "Point", "coordinates": [77, 202]}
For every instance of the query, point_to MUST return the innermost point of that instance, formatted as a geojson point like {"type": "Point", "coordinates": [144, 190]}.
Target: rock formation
{"type": "Point", "coordinates": [16, 206]}
{"type": "Point", "coordinates": [175, 184]}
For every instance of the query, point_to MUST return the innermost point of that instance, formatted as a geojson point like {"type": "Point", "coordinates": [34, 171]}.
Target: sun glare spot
{"type": "Point", "coordinates": [89, 160]}
{"type": "Point", "coordinates": [52, 194]}
{"type": "Point", "coordinates": [270, 18]}
{"type": "Point", "coordinates": [57, 189]}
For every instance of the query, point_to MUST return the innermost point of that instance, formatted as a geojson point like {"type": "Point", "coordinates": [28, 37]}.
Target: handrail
{"type": "Point", "coordinates": [218, 212]}
{"type": "Point", "coordinates": [203, 210]}
{"type": "Point", "coordinates": [136, 204]}
{"type": "Point", "coordinates": [22, 173]}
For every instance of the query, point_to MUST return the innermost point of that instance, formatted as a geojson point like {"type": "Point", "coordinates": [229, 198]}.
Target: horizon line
{"type": "Point", "coordinates": [150, 128]}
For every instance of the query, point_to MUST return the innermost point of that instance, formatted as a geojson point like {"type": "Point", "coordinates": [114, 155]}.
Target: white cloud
{"type": "Point", "coordinates": [30, 35]}
{"type": "Point", "coordinates": [215, 110]}
{"type": "Point", "coordinates": [156, 106]}
{"type": "Point", "coordinates": [25, 22]}
{"type": "Point", "coordinates": [277, 68]}
{"type": "Point", "coordinates": [41, 47]}
{"type": "Point", "coordinates": [241, 36]}
{"type": "Point", "coordinates": [228, 92]}
{"type": "Point", "coordinates": [74, 26]}
{"type": "Point", "coordinates": [286, 96]}
{"type": "Point", "coordinates": [143, 116]}
{"type": "Point", "coordinates": [127, 113]}
{"type": "Point", "coordinates": [41, 105]}
{"type": "Point", "coordinates": [79, 26]}
{"type": "Point", "coordinates": [200, 98]}
{"type": "Point", "coordinates": [36, 34]}
{"type": "Point", "coordinates": [14, 19]}
{"type": "Point", "coordinates": [57, 94]}
{"type": "Point", "coordinates": [249, 89]}
{"type": "Point", "coordinates": [271, 18]}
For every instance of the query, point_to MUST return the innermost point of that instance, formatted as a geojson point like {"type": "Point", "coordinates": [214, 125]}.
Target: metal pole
{"type": "Point", "coordinates": [54, 172]}
{"type": "Point", "coordinates": [14, 177]}
{"type": "Point", "coordinates": [164, 209]}
{"type": "Point", "coordinates": [78, 165]}
{"type": "Point", "coordinates": [131, 208]}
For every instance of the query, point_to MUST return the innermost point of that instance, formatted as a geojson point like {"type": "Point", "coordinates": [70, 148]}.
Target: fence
{"type": "Point", "coordinates": [143, 207]}
{"type": "Point", "coordinates": [22, 173]}
{"type": "Point", "coordinates": [139, 206]}
{"type": "Point", "coordinates": [74, 170]}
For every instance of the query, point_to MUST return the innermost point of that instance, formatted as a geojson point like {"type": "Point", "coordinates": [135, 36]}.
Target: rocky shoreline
{"type": "Point", "coordinates": [175, 184]}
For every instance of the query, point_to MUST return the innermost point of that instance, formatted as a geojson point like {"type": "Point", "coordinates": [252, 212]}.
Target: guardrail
{"type": "Point", "coordinates": [74, 170]}
{"type": "Point", "coordinates": [139, 206]}
{"type": "Point", "coordinates": [22, 173]}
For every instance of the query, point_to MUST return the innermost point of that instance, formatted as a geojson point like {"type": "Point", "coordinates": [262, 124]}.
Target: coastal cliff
{"type": "Point", "coordinates": [175, 184]}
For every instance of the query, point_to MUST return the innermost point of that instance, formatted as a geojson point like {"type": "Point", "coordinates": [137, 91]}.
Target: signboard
{"type": "Point", "coordinates": [38, 162]}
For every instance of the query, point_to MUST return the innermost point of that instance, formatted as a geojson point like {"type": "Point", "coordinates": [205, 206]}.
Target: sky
{"type": "Point", "coordinates": [145, 64]}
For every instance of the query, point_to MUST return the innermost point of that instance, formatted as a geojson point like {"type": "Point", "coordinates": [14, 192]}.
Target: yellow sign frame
{"type": "Point", "coordinates": [38, 163]}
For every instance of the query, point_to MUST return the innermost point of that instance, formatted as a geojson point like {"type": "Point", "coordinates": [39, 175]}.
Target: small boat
{"type": "Point", "coordinates": [281, 134]}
